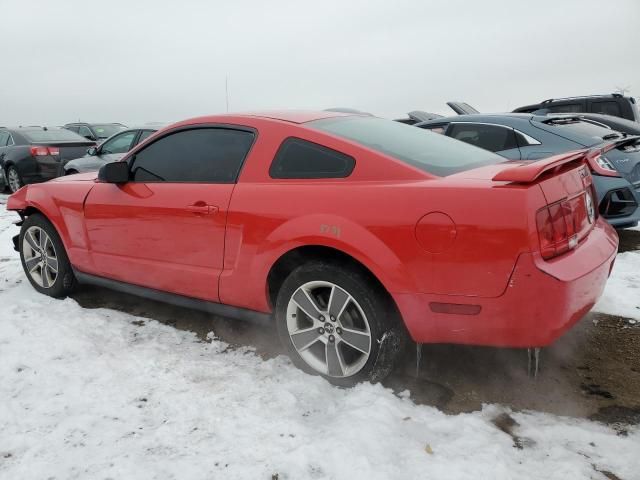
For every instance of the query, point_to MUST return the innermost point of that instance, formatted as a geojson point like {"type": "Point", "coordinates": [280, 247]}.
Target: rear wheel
{"type": "Point", "coordinates": [44, 258]}
{"type": "Point", "coordinates": [13, 179]}
{"type": "Point", "coordinates": [336, 322]}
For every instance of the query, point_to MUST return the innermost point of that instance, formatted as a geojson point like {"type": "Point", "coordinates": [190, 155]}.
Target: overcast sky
{"type": "Point", "coordinates": [134, 61]}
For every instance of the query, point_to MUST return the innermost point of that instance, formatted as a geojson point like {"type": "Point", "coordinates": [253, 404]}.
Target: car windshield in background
{"type": "Point", "coordinates": [106, 130]}
{"type": "Point", "coordinates": [431, 152]}
{"type": "Point", "coordinates": [52, 135]}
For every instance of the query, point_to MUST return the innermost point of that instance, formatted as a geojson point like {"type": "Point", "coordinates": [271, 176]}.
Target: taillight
{"type": "Point", "coordinates": [600, 164]}
{"type": "Point", "coordinates": [40, 151]}
{"type": "Point", "coordinates": [560, 224]}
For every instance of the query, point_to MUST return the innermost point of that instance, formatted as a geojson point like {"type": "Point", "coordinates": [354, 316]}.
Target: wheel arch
{"type": "Point", "coordinates": [293, 258]}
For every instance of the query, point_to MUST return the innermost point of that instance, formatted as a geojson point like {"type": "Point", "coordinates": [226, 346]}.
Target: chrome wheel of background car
{"type": "Point", "coordinates": [328, 329]}
{"type": "Point", "coordinates": [41, 262]}
{"type": "Point", "coordinates": [14, 179]}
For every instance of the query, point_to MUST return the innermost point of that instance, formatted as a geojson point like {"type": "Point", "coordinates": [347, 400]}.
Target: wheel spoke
{"type": "Point", "coordinates": [45, 277]}
{"type": "Point", "coordinates": [32, 263]}
{"type": "Point", "coordinates": [51, 274]}
{"type": "Point", "coordinates": [338, 301]}
{"type": "Point", "coordinates": [52, 263]}
{"type": "Point", "coordinates": [31, 241]}
{"type": "Point", "coordinates": [303, 339]}
{"type": "Point", "coordinates": [43, 241]}
{"type": "Point", "coordinates": [304, 302]}
{"type": "Point", "coordinates": [335, 366]}
{"type": "Point", "coordinates": [361, 341]}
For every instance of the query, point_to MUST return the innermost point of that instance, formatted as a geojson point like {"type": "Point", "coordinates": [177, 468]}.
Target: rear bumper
{"type": "Point", "coordinates": [542, 300]}
{"type": "Point", "coordinates": [606, 188]}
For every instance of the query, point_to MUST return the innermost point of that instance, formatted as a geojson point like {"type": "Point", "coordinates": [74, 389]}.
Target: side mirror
{"type": "Point", "coordinates": [114, 172]}
{"type": "Point", "coordinates": [90, 137]}
{"type": "Point", "coordinates": [92, 151]}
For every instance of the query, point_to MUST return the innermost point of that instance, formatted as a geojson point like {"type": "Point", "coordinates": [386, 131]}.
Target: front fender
{"type": "Point", "coordinates": [62, 204]}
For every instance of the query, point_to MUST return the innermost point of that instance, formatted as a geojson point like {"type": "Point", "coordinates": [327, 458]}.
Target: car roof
{"type": "Point", "coordinates": [29, 128]}
{"type": "Point", "coordinates": [93, 123]}
{"type": "Point", "coordinates": [291, 116]}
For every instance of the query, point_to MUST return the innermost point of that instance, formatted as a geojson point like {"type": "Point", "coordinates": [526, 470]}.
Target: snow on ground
{"type": "Point", "coordinates": [622, 293]}
{"type": "Point", "coordinates": [103, 394]}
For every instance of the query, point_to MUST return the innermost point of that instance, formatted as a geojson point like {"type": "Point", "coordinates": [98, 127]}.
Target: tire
{"type": "Point", "coordinates": [14, 180]}
{"type": "Point", "coordinates": [309, 336]}
{"type": "Point", "coordinates": [53, 276]}
{"type": "Point", "coordinates": [70, 172]}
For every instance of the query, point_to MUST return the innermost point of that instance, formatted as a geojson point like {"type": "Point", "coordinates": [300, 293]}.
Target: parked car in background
{"type": "Point", "coordinates": [613, 104]}
{"type": "Point", "coordinates": [110, 150]}
{"type": "Point", "coordinates": [97, 132]}
{"type": "Point", "coordinates": [519, 136]}
{"type": "Point", "coordinates": [342, 232]}
{"type": "Point", "coordinates": [35, 154]}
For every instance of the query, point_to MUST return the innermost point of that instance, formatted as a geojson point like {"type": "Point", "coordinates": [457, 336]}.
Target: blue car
{"type": "Point", "coordinates": [520, 136]}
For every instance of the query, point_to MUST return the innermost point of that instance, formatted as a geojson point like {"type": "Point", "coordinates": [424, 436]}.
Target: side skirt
{"type": "Point", "coordinates": [174, 299]}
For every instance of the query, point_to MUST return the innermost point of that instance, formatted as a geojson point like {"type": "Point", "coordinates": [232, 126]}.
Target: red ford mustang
{"type": "Point", "coordinates": [347, 232]}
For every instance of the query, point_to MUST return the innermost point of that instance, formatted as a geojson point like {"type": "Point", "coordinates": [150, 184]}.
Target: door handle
{"type": "Point", "coordinates": [202, 208]}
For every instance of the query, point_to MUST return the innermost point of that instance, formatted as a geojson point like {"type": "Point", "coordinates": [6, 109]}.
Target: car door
{"type": "Point", "coordinates": [495, 138]}
{"type": "Point", "coordinates": [4, 140]}
{"type": "Point", "coordinates": [165, 228]}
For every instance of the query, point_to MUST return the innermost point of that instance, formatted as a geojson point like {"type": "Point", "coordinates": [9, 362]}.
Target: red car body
{"type": "Point", "coordinates": [460, 255]}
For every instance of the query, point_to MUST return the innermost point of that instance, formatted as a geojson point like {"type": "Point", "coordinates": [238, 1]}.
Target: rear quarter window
{"type": "Point", "coordinates": [430, 152]}
{"type": "Point", "coordinates": [606, 108]}
{"type": "Point", "coordinates": [297, 158]}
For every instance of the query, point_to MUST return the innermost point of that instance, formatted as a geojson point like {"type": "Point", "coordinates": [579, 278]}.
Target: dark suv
{"type": "Point", "coordinates": [614, 104]}
{"type": "Point", "coordinates": [95, 131]}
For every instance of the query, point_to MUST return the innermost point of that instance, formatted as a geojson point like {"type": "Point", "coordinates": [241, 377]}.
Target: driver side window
{"type": "Point", "coordinates": [118, 144]}
{"type": "Point", "coordinates": [199, 155]}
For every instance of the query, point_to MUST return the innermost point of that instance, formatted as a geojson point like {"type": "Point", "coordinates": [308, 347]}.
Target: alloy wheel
{"type": "Point", "coordinates": [14, 180]}
{"type": "Point", "coordinates": [40, 259]}
{"type": "Point", "coordinates": [328, 329]}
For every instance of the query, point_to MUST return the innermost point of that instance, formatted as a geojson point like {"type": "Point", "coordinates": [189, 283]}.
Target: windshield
{"type": "Point", "coordinates": [52, 135]}
{"type": "Point", "coordinates": [106, 130]}
{"type": "Point", "coordinates": [430, 152]}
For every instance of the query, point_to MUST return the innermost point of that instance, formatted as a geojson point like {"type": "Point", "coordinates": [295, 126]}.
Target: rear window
{"type": "Point", "coordinates": [580, 128]}
{"type": "Point", "coordinates": [430, 152]}
{"type": "Point", "coordinates": [106, 130]}
{"type": "Point", "coordinates": [297, 158]}
{"type": "Point", "coordinates": [52, 135]}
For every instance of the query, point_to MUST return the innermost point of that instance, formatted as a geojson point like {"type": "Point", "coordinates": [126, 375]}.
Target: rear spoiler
{"type": "Point", "coordinates": [530, 172]}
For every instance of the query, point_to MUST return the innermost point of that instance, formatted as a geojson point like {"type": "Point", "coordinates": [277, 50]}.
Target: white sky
{"type": "Point", "coordinates": [143, 60]}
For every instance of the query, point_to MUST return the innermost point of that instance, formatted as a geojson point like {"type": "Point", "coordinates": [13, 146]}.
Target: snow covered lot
{"type": "Point", "coordinates": [98, 393]}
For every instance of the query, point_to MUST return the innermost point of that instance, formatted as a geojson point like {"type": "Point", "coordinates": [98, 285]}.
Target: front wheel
{"type": "Point", "coordinates": [44, 258]}
{"type": "Point", "coordinates": [336, 322]}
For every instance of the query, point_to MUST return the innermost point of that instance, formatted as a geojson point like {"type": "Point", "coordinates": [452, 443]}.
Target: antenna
{"type": "Point", "coordinates": [226, 90]}
{"type": "Point", "coordinates": [623, 90]}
